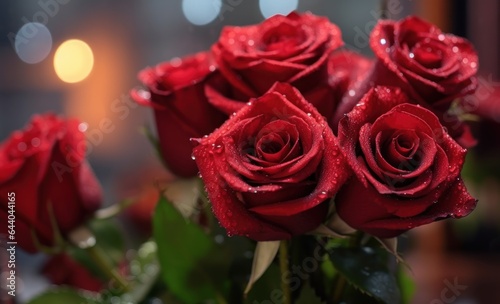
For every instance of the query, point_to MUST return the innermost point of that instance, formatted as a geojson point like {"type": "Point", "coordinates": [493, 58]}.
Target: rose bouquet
{"type": "Point", "coordinates": [281, 137]}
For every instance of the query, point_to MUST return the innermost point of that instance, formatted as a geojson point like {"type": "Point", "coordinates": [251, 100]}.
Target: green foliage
{"type": "Point", "coordinates": [65, 296]}
{"type": "Point", "coordinates": [193, 267]}
{"type": "Point", "coordinates": [366, 269]}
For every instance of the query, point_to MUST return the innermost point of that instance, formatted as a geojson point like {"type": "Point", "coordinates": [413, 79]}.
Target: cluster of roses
{"type": "Point", "coordinates": [293, 122]}
{"type": "Point", "coordinates": [283, 121]}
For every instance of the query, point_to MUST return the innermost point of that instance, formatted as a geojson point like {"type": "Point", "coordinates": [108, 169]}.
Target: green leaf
{"type": "Point", "coordinates": [65, 296]}
{"type": "Point", "coordinates": [407, 286]}
{"type": "Point", "coordinates": [307, 296]}
{"type": "Point", "coordinates": [366, 269]}
{"type": "Point", "coordinates": [192, 265]}
{"type": "Point", "coordinates": [267, 288]}
{"type": "Point", "coordinates": [110, 238]}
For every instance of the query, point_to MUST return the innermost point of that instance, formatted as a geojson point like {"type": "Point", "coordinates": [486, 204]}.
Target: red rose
{"type": "Point", "coordinates": [271, 169]}
{"type": "Point", "coordinates": [345, 70]}
{"type": "Point", "coordinates": [431, 67]}
{"type": "Point", "coordinates": [292, 49]}
{"type": "Point", "coordinates": [176, 93]}
{"type": "Point", "coordinates": [407, 169]}
{"type": "Point", "coordinates": [43, 168]}
{"type": "Point", "coordinates": [61, 269]}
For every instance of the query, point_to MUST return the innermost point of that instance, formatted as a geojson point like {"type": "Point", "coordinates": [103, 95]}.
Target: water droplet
{"type": "Point", "coordinates": [383, 41]}
{"type": "Point", "coordinates": [250, 42]}
{"type": "Point", "coordinates": [193, 157]}
{"type": "Point", "coordinates": [176, 61]}
{"type": "Point", "coordinates": [411, 55]}
{"type": "Point", "coordinates": [234, 113]}
{"type": "Point", "coordinates": [455, 49]}
{"type": "Point", "coordinates": [309, 114]}
{"type": "Point", "coordinates": [352, 93]}
{"type": "Point", "coordinates": [441, 37]}
{"type": "Point", "coordinates": [231, 41]}
{"type": "Point", "coordinates": [21, 146]}
{"type": "Point", "coordinates": [473, 65]}
{"type": "Point", "coordinates": [35, 142]}
{"type": "Point", "coordinates": [82, 127]}
{"type": "Point", "coordinates": [465, 60]}
{"type": "Point", "coordinates": [219, 238]}
{"type": "Point", "coordinates": [249, 103]}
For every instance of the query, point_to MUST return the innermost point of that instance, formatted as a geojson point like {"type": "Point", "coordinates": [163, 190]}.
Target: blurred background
{"type": "Point", "coordinates": [80, 59]}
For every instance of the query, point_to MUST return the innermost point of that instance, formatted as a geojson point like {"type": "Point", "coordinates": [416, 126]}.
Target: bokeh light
{"type": "Point", "coordinates": [33, 42]}
{"type": "Point", "coordinates": [73, 61]}
{"type": "Point", "coordinates": [283, 7]}
{"type": "Point", "coordinates": [201, 12]}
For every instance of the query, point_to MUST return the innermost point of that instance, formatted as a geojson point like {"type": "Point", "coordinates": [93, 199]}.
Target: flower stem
{"type": "Point", "coordinates": [106, 268]}
{"type": "Point", "coordinates": [339, 288]}
{"type": "Point", "coordinates": [285, 287]}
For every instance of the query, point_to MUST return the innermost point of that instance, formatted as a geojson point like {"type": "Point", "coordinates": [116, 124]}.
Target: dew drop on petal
{"type": "Point", "coordinates": [21, 146]}
{"type": "Point", "coordinates": [473, 65]}
{"type": "Point", "coordinates": [352, 93]}
{"type": "Point", "coordinates": [383, 41]}
{"type": "Point", "coordinates": [441, 37]}
{"type": "Point", "coordinates": [455, 49]}
{"type": "Point", "coordinates": [35, 142]}
{"type": "Point", "coordinates": [411, 55]}
{"type": "Point", "coordinates": [193, 157]}
{"type": "Point", "coordinates": [82, 127]}
{"type": "Point", "coordinates": [176, 62]}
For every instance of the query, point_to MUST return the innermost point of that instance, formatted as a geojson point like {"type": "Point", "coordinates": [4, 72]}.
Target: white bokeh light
{"type": "Point", "coordinates": [270, 8]}
{"type": "Point", "coordinates": [33, 42]}
{"type": "Point", "coordinates": [201, 12]}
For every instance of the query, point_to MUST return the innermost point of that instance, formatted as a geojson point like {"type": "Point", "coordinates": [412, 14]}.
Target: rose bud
{"type": "Point", "coordinates": [271, 169]}
{"type": "Point", "coordinates": [44, 166]}
{"type": "Point", "coordinates": [345, 70]}
{"type": "Point", "coordinates": [407, 168]}
{"type": "Point", "coordinates": [292, 49]}
{"type": "Point", "coordinates": [431, 67]}
{"type": "Point", "coordinates": [61, 269]}
{"type": "Point", "coordinates": [176, 93]}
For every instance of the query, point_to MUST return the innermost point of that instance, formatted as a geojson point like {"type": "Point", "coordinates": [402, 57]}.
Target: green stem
{"type": "Point", "coordinates": [106, 268]}
{"type": "Point", "coordinates": [339, 288]}
{"type": "Point", "coordinates": [285, 287]}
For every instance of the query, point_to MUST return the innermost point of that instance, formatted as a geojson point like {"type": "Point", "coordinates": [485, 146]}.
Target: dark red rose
{"type": "Point", "coordinates": [61, 269]}
{"type": "Point", "coordinates": [407, 168]}
{"type": "Point", "coordinates": [292, 49]}
{"type": "Point", "coordinates": [176, 93]}
{"type": "Point", "coordinates": [43, 168]}
{"type": "Point", "coordinates": [431, 67]}
{"type": "Point", "coordinates": [271, 169]}
{"type": "Point", "coordinates": [345, 70]}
